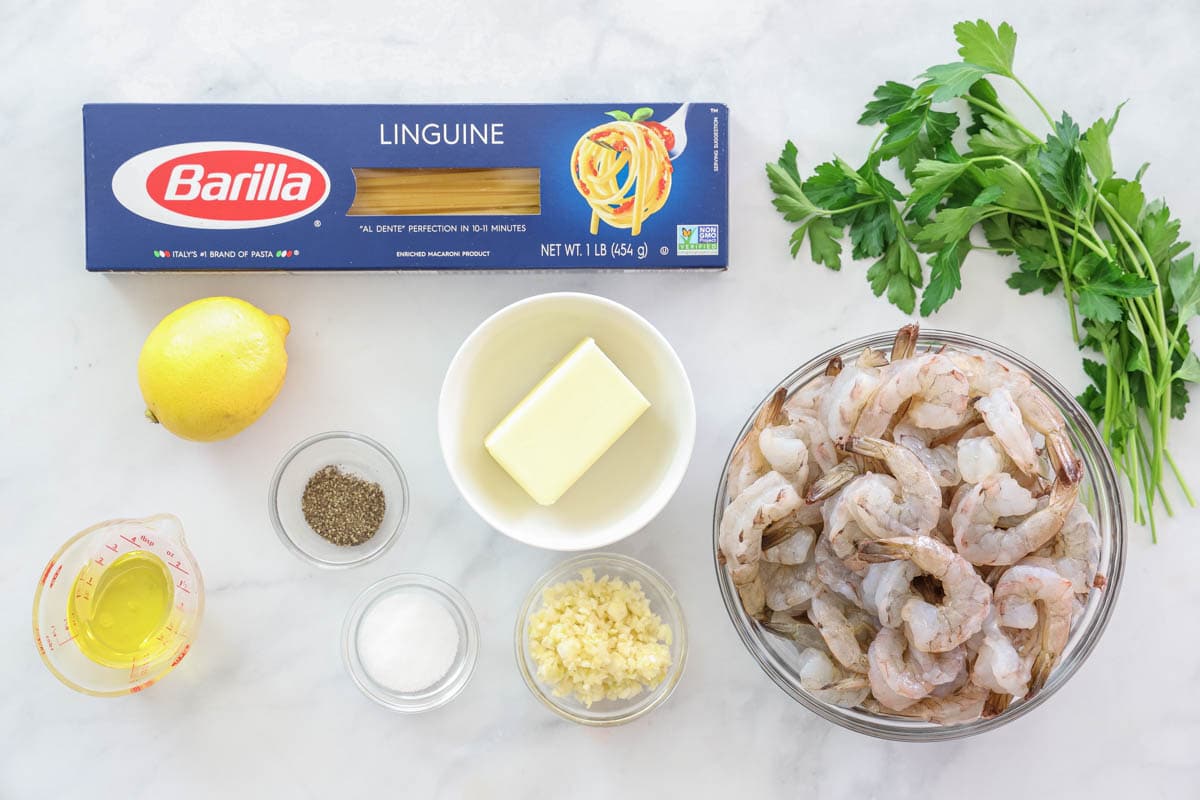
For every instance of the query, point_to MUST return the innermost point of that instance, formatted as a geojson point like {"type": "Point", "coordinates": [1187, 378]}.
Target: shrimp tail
{"type": "Point", "coordinates": [771, 414]}
{"type": "Point", "coordinates": [878, 551]}
{"type": "Point", "coordinates": [834, 367]}
{"type": "Point", "coordinates": [905, 343]}
{"type": "Point", "coordinates": [828, 484]}
{"type": "Point", "coordinates": [851, 684]}
{"type": "Point", "coordinates": [866, 446]}
{"type": "Point", "coordinates": [1062, 455]}
{"type": "Point", "coordinates": [871, 357]}
{"type": "Point", "coordinates": [1042, 666]}
{"type": "Point", "coordinates": [996, 704]}
{"type": "Point", "coordinates": [773, 411]}
{"type": "Point", "coordinates": [776, 534]}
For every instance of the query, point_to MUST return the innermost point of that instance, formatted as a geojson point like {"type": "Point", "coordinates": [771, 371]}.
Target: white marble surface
{"type": "Point", "coordinates": [263, 708]}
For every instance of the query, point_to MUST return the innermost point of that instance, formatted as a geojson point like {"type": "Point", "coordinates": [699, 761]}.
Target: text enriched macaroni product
{"type": "Point", "coordinates": [387, 187]}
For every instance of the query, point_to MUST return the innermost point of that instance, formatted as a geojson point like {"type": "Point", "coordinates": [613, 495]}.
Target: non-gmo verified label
{"type": "Point", "coordinates": [697, 240]}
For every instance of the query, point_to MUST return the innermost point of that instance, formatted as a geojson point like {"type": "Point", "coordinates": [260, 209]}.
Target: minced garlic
{"type": "Point", "coordinates": [598, 639]}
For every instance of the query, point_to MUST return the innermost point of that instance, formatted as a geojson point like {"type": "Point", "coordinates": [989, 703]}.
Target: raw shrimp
{"type": "Point", "coordinates": [901, 675]}
{"type": "Point", "coordinates": [824, 680]}
{"type": "Point", "coordinates": [961, 706]}
{"type": "Point", "coordinates": [803, 516]}
{"type": "Point", "coordinates": [768, 499]}
{"type": "Point", "coordinates": [999, 665]}
{"type": "Point", "coordinates": [786, 452]}
{"type": "Point", "coordinates": [913, 509]}
{"type": "Point", "coordinates": [806, 400]}
{"type": "Point", "coordinates": [941, 461]}
{"type": "Point", "coordinates": [843, 512]}
{"type": "Point", "coordinates": [980, 458]}
{"type": "Point", "coordinates": [747, 464]}
{"type": "Point", "coordinates": [1003, 418]}
{"type": "Point", "coordinates": [834, 573]}
{"type": "Point", "coordinates": [830, 614]}
{"type": "Point", "coordinates": [820, 447]}
{"type": "Point", "coordinates": [986, 373]}
{"type": "Point", "coordinates": [941, 627]}
{"type": "Point", "coordinates": [849, 393]}
{"type": "Point", "coordinates": [893, 683]}
{"type": "Point", "coordinates": [1028, 595]}
{"type": "Point", "coordinates": [1075, 552]}
{"type": "Point", "coordinates": [937, 390]}
{"type": "Point", "coordinates": [978, 511]}
{"type": "Point", "coordinates": [792, 550]}
{"type": "Point", "coordinates": [788, 587]}
{"type": "Point", "coordinates": [887, 587]}
{"type": "Point", "coordinates": [800, 631]}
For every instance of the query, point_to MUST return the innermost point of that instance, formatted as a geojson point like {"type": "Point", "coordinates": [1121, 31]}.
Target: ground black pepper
{"type": "Point", "coordinates": [342, 508]}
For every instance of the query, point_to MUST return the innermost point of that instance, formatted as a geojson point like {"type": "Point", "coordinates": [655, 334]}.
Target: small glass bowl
{"type": "Point", "coordinates": [663, 602]}
{"type": "Point", "coordinates": [1099, 491]}
{"type": "Point", "coordinates": [455, 679]}
{"type": "Point", "coordinates": [351, 453]}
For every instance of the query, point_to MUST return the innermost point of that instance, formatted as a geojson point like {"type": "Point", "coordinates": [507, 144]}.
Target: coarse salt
{"type": "Point", "coordinates": [407, 641]}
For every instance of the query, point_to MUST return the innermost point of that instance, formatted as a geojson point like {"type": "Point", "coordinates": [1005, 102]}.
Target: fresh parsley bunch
{"type": "Point", "coordinates": [1053, 202]}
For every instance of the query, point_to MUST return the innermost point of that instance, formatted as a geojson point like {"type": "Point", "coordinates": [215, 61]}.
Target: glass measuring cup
{"type": "Point", "coordinates": [73, 575]}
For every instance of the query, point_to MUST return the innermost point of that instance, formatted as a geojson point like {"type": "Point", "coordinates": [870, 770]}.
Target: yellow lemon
{"type": "Point", "coordinates": [212, 367]}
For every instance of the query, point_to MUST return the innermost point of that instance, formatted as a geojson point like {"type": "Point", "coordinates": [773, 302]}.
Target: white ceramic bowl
{"type": "Point", "coordinates": [497, 366]}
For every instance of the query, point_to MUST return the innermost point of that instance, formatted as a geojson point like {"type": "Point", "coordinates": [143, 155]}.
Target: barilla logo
{"type": "Point", "coordinates": [220, 185]}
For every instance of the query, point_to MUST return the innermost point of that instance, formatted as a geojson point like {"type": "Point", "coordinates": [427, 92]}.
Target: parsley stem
{"type": "Point", "coordinates": [1145, 253]}
{"type": "Point", "coordinates": [1000, 113]}
{"type": "Point", "coordinates": [829, 212]}
{"type": "Point", "coordinates": [1036, 102]}
{"type": "Point", "coordinates": [1049, 221]}
{"type": "Point", "coordinates": [1090, 241]}
{"type": "Point", "coordinates": [1187, 493]}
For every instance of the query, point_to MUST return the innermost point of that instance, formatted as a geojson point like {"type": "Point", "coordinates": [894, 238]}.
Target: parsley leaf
{"type": "Point", "coordinates": [789, 199]}
{"type": "Point", "coordinates": [1159, 232]}
{"type": "Point", "coordinates": [1060, 165]}
{"type": "Point", "coordinates": [948, 81]}
{"type": "Point", "coordinates": [890, 98]}
{"type": "Point", "coordinates": [952, 224]}
{"type": "Point", "coordinates": [893, 273]}
{"type": "Point", "coordinates": [1190, 370]}
{"type": "Point", "coordinates": [932, 181]}
{"type": "Point", "coordinates": [1014, 189]}
{"type": "Point", "coordinates": [1184, 281]}
{"type": "Point", "coordinates": [1096, 152]}
{"type": "Point", "coordinates": [991, 49]}
{"type": "Point", "coordinates": [872, 230]}
{"type": "Point", "coordinates": [945, 276]}
{"type": "Point", "coordinates": [824, 241]}
{"type": "Point", "coordinates": [1094, 305]}
{"type": "Point", "coordinates": [830, 188]}
{"type": "Point", "coordinates": [997, 137]}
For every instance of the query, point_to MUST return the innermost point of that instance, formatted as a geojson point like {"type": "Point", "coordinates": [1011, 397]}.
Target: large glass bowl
{"type": "Point", "coordinates": [1099, 491]}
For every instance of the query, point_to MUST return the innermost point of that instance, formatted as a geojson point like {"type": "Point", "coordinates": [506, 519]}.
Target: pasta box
{"type": "Point", "coordinates": [627, 186]}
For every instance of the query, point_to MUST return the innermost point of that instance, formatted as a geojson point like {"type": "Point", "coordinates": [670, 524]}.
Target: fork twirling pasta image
{"type": "Point", "coordinates": [623, 169]}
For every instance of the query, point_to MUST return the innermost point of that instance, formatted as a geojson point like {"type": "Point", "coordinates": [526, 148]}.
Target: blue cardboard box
{"type": "Point", "coordinates": [626, 186]}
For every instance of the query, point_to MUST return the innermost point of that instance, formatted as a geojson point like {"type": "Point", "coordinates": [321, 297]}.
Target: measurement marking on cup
{"type": "Point", "coordinates": [177, 565]}
{"type": "Point", "coordinates": [131, 541]}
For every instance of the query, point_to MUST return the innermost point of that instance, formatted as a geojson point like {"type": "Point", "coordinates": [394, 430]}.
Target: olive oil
{"type": "Point", "coordinates": [118, 612]}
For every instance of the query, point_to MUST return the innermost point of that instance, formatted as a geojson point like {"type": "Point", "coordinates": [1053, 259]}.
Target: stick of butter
{"type": "Point", "coordinates": [566, 423]}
